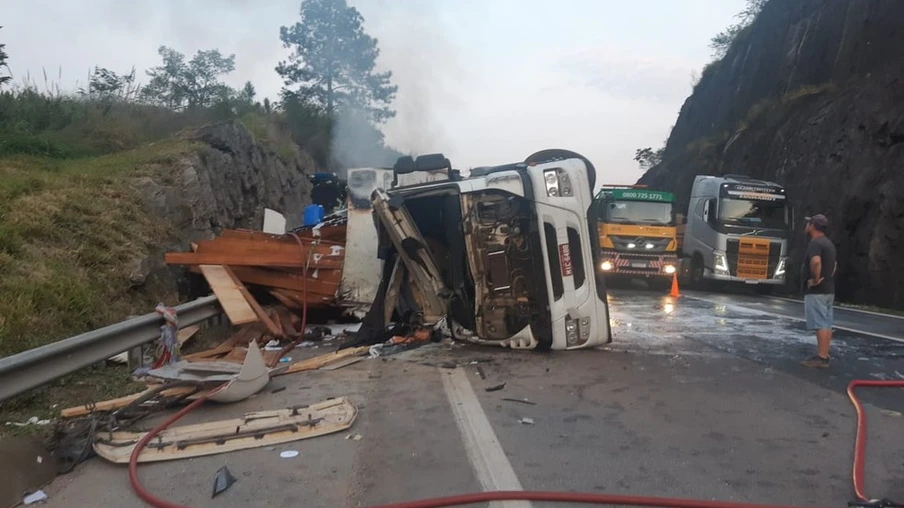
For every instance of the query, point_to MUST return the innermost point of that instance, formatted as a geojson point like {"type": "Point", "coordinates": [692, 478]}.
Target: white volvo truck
{"type": "Point", "coordinates": [737, 231]}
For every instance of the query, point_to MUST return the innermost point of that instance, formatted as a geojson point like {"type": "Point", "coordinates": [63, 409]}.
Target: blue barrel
{"type": "Point", "coordinates": [313, 215]}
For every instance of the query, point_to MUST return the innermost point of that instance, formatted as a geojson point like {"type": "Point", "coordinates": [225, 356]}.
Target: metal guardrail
{"type": "Point", "coordinates": [35, 367]}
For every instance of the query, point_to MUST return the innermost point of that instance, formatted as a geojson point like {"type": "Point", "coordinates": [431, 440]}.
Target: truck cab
{"type": "Point", "coordinates": [501, 257]}
{"type": "Point", "coordinates": [637, 233]}
{"type": "Point", "coordinates": [737, 231]}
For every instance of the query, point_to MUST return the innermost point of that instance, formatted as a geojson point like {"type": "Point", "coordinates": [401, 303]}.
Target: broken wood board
{"type": "Point", "coordinates": [186, 333]}
{"type": "Point", "coordinates": [326, 282]}
{"type": "Point", "coordinates": [239, 252]}
{"type": "Point", "coordinates": [231, 297]}
{"type": "Point", "coordinates": [246, 334]}
{"type": "Point", "coordinates": [297, 301]}
{"type": "Point", "coordinates": [342, 363]}
{"type": "Point", "coordinates": [253, 430]}
{"type": "Point", "coordinates": [319, 361]}
{"type": "Point", "coordinates": [261, 314]}
{"type": "Point", "coordinates": [121, 402]}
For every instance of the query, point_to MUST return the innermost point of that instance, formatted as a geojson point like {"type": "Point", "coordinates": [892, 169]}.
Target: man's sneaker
{"type": "Point", "coordinates": [817, 362]}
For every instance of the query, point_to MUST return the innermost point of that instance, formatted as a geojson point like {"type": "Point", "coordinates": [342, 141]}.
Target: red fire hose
{"type": "Point", "coordinates": [860, 442]}
{"type": "Point", "coordinates": [562, 497]}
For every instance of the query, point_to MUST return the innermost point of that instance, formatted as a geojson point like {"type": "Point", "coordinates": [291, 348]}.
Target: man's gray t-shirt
{"type": "Point", "coordinates": [825, 249]}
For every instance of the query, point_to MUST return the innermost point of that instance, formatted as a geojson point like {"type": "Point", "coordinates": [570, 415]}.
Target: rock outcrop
{"type": "Point", "coordinates": [811, 95]}
{"type": "Point", "coordinates": [226, 183]}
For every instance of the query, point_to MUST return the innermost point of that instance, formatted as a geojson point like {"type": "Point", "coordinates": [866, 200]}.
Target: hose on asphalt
{"type": "Point", "coordinates": [562, 497]}
{"type": "Point", "coordinates": [860, 440]}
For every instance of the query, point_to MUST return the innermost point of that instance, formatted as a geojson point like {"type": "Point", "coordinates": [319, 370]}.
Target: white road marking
{"type": "Point", "coordinates": [795, 318]}
{"type": "Point", "coordinates": [491, 466]}
{"type": "Point", "coordinates": [842, 307]}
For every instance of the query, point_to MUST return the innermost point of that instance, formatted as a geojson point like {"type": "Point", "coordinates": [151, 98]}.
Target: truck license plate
{"type": "Point", "coordinates": [638, 265]}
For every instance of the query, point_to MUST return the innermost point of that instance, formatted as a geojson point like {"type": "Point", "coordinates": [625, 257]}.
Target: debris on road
{"type": "Point", "coordinates": [520, 401]}
{"type": "Point", "coordinates": [35, 497]}
{"type": "Point", "coordinates": [289, 454]}
{"type": "Point", "coordinates": [342, 363]}
{"type": "Point", "coordinates": [355, 437]}
{"type": "Point", "coordinates": [298, 269]}
{"type": "Point", "coordinates": [31, 421]}
{"type": "Point", "coordinates": [222, 481]}
{"type": "Point", "coordinates": [481, 373]}
{"type": "Point", "coordinates": [242, 381]}
{"type": "Point", "coordinates": [495, 388]}
{"type": "Point", "coordinates": [253, 430]}
{"type": "Point", "coordinates": [526, 421]}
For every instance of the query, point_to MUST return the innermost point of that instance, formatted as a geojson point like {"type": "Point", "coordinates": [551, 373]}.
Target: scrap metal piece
{"type": "Point", "coordinates": [222, 481]}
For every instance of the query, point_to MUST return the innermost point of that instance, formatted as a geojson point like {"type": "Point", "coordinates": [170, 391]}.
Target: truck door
{"type": "Point", "coordinates": [414, 254]}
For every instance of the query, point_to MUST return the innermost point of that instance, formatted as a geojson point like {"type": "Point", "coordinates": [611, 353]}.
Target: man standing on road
{"type": "Point", "coordinates": [818, 278]}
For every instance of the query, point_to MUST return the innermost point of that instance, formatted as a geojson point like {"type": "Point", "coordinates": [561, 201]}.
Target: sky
{"type": "Point", "coordinates": [484, 82]}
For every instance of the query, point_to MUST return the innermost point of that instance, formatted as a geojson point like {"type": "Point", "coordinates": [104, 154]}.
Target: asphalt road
{"type": "Point", "coordinates": [698, 397]}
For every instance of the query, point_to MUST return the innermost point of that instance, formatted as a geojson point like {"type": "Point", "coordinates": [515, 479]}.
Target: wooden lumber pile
{"type": "Point", "coordinates": [297, 268]}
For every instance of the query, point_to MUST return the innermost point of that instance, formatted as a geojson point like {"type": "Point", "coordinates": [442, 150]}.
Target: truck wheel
{"type": "Point", "coordinates": [697, 279]}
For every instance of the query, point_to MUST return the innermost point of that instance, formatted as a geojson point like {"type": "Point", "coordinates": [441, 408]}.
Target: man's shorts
{"type": "Point", "coordinates": [818, 309]}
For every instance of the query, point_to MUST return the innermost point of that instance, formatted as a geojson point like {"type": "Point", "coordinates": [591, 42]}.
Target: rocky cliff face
{"type": "Point", "coordinates": [811, 95]}
{"type": "Point", "coordinates": [225, 184]}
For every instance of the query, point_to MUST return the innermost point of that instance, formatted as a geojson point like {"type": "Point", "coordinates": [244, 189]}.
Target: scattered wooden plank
{"type": "Point", "coordinates": [319, 361]}
{"type": "Point", "coordinates": [230, 295]}
{"type": "Point", "coordinates": [187, 333]}
{"type": "Point", "coordinates": [253, 430]}
{"type": "Point", "coordinates": [112, 404]}
{"type": "Point", "coordinates": [326, 283]}
{"type": "Point", "coordinates": [255, 307]}
{"type": "Point", "coordinates": [326, 249]}
{"type": "Point", "coordinates": [342, 363]}
{"type": "Point", "coordinates": [246, 334]}
{"type": "Point", "coordinates": [272, 259]}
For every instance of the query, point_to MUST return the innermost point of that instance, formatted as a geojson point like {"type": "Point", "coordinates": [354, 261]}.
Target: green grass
{"type": "Point", "coordinates": [70, 231]}
{"type": "Point", "coordinates": [87, 385]}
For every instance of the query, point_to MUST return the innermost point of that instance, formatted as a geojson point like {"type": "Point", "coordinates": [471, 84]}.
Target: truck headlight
{"type": "Point", "coordinates": [780, 269]}
{"type": "Point", "coordinates": [565, 184]}
{"type": "Point", "coordinates": [558, 183]}
{"type": "Point", "coordinates": [721, 265]}
{"type": "Point", "coordinates": [669, 269]}
{"type": "Point", "coordinates": [552, 182]}
{"type": "Point", "coordinates": [577, 331]}
{"type": "Point", "coordinates": [606, 266]}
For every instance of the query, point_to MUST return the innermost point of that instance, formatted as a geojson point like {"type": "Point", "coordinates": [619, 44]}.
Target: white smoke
{"type": "Point", "coordinates": [425, 66]}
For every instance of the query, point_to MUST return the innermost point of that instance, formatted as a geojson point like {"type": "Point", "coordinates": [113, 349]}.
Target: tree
{"type": "Point", "coordinates": [333, 60]}
{"type": "Point", "coordinates": [647, 157]}
{"type": "Point", "coordinates": [3, 65]}
{"type": "Point", "coordinates": [107, 85]}
{"type": "Point", "coordinates": [178, 85]}
{"type": "Point", "coordinates": [722, 41]}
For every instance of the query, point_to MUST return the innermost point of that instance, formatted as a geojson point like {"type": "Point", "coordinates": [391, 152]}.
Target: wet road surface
{"type": "Point", "coordinates": [697, 397]}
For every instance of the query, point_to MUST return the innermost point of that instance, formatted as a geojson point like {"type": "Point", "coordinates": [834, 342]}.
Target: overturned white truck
{"type": "Point", "coordinates": [501, 257]}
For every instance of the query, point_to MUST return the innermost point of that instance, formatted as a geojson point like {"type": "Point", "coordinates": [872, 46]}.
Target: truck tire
{"type": "Point", "coordinates": [697, 279]}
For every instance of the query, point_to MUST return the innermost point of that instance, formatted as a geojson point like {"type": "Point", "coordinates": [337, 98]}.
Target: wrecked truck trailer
{"type": "Point", "coordinates": [502, 257]}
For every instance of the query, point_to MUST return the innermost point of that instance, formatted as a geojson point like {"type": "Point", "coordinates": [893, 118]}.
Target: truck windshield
{"type": "Point", "coordinates": [754, 213]}
{"type": "Point", "coordinates": [639, 212]}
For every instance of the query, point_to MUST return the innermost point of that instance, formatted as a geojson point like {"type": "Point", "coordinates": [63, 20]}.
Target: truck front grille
{"type": "Point", "coordinates": [753, 258]}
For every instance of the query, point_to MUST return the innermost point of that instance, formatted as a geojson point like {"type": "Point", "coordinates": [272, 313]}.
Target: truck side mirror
{"type": "Point", "coordinates": [706, 211]}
